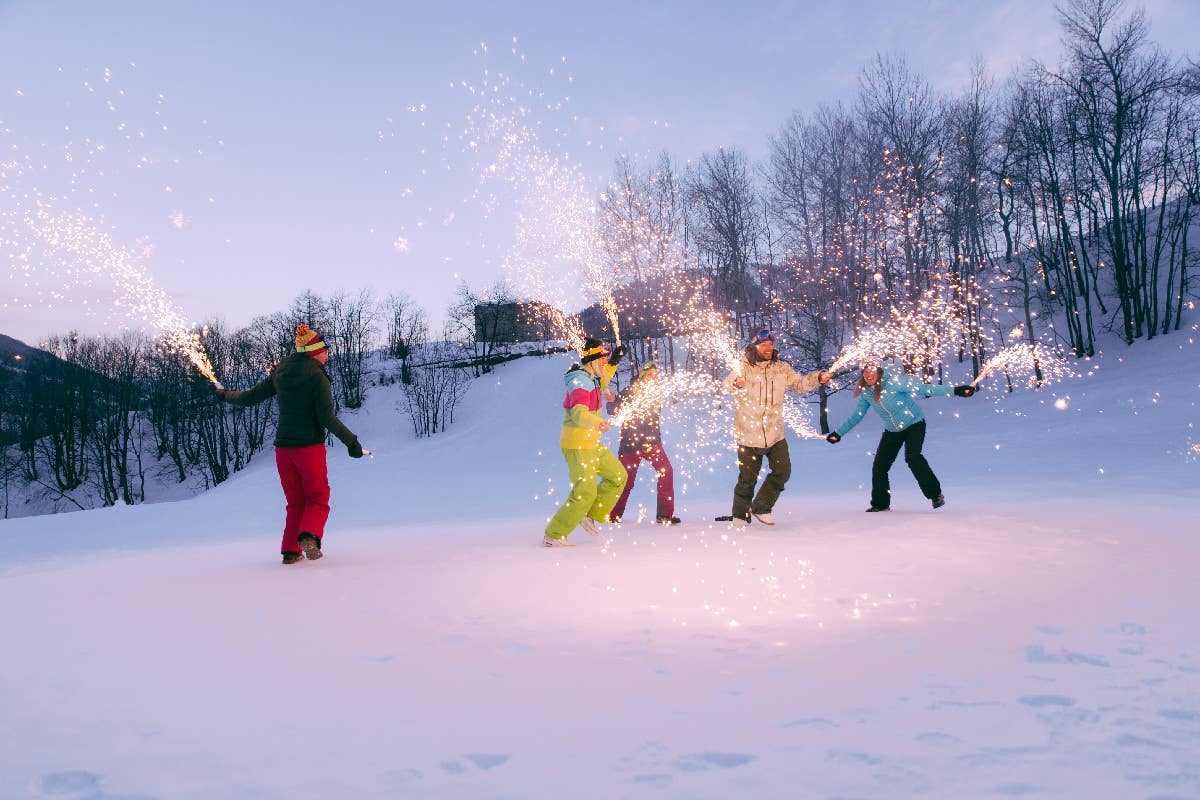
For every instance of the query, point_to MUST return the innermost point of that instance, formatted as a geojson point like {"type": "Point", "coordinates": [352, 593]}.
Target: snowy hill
{"type": "Point", "coordinates": [1034, 637]}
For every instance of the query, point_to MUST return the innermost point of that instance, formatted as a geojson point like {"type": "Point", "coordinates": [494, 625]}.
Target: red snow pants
{"type": "Point", "coordinates": [666, 480]}
{"type": "Point", "coordinates": [305, 480]}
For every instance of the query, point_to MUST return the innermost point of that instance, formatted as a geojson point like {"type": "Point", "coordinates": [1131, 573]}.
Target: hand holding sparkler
{"type": "Point", "coordinates": [833, 438]}
{"type": "Point", "coordinates": [604, 426]}
{"type": "Point", "coordinates": [824, 376]}
{"type": "Point", "coordinates": [964, 391]}
{"type": "Point", "coordinates": [739, 382]}
{"type": "Point", "coordinates": [356, 450]}
{"type": "Point", "coordinates": [618, 352]}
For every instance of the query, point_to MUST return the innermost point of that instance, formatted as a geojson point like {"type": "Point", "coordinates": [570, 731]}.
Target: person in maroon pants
{"type": "Point", "coordinates": [301, 384]}
{"type": "Point", "coordinates": [641, 438]}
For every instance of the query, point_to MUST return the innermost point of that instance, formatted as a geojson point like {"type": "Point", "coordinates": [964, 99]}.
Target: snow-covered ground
{"type": "Point", "coordinates": [1035, 637]}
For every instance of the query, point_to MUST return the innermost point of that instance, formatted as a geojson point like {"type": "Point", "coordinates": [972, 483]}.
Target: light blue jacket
{"type": "Point", "coordinates": [897, 404]}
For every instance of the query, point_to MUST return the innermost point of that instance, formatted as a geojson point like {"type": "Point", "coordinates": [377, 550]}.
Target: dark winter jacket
{"type": "Point", "coordinates": [643, 430]}
{"type": "Point", "coordinates": [305, 402]}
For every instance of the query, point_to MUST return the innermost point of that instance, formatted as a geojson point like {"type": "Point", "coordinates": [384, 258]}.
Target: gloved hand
{"type": "Point", "coordinates": [964, 391]}
{"type": "Point", "coordinates": [833, 438]}
{"type": "Point", "coordinates": [618, 352]}
{"type": "Point", "coordinates": [222, 394]}
{"type": "Point", "coordinates": [355, 449]}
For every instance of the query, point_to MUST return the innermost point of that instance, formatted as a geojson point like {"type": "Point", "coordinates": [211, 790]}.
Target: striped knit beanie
{"type": "Point", "coordinates": [592, 349]}
{"type": "Point", "coordinates": [308, 340]}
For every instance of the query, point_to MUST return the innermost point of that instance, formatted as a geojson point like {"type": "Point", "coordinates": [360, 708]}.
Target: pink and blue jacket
{"type": "Point", "coordinates": [585, 394]}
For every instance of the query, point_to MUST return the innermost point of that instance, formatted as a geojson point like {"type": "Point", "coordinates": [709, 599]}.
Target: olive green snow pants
{"type": "Point", "coordinates": [588, 499]}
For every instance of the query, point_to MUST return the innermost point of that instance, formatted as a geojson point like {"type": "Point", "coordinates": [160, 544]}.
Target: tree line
{"type": "Point", "coordinates": [108, 416]}
{"type": "Point", "coordinates": [1048, 207]}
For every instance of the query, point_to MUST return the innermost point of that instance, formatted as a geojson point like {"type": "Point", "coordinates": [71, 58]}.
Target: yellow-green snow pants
{"type": "Point", "coordinates": [588, 499]}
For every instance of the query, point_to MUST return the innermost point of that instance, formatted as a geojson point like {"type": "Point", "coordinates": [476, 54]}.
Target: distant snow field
{"type": "Point", "coordinates": [1034, 638]}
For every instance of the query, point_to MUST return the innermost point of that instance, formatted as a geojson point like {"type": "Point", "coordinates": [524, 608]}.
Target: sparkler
{"type": "Point", "coordinates": [1025, 358]}
{"type": "Point", "coordinates": [77, 239]}
{"type": "Point", "coordinates": [39, 239]}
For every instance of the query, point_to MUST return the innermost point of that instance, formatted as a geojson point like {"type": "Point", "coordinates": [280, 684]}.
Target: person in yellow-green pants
{"type": "Point", "coordinates": [589, 501]}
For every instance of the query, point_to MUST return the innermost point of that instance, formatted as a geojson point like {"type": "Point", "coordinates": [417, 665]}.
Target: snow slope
{"type": "Point", "coordinates": [1035, 637]}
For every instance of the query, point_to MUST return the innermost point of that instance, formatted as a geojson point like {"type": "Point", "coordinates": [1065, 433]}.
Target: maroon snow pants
{"type": "Point", "coordinates": [666, 480]}
{"type": "Point", "coordinates": [305, 481]}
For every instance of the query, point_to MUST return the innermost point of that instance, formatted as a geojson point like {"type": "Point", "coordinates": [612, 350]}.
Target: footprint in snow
{"type": "Point", "coordinates": [78, 785]}
{"type": "Point", "coordinates": [1181, 714]}
{"type": "Point", "coordinates": [648, 757]}
{"type": "Point", "coordinates": [653, 779]}
{"type": "Point", "coordinates": [817, 723]}
{"type": "Point", "coordinates": [847, 757]}
{"type": "Point", "coordinates": [1133, 629]}
{"type": "Point", "coordinates": [452, 767]}
{"type": "Point", "coordinates": [397, 779]}
{"type": "Point", "coordinates": [1043, 700]}
{"type": "Point", "coordinates": [486, 760]}
{"type": "Point", "coordinates": [698, 762]}
{"type": "Point", "coordinates": [1129, 740]}
{"type": "Point", "coordinates": [73, 783]}
{"type": "Point", "coordinates": [940, 704]}
{"type": "Point", "coordinates": [992, 756]}
{"type": "Point", "coordinates": [1036, 654]}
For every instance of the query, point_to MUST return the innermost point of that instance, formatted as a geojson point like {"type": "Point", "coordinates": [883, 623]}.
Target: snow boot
{"type": "Point", "coordinates": [765, 518]}
{"type": "Point", "coordinates": [589, 525]}
{"type": "Point", "coordinates": [668, 520]}
{"type": "Point", "coordinates": [939, 501]}
{"type": "Point", "coordinates": [551, 541]}
{"type": "Point", "coordinates": [739, 524]}
{"type": "Point", "coordinates": [291, 558]}
{"type": "Point", "coordinates": [311, 546]}
{"type": "Point", "coordinates": [873, 509]}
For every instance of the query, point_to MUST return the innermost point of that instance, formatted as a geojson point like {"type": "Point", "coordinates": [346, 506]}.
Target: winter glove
{"type": "Point", "coordinates": [964, 391]}
{"type": "Point", "coordinates": [833, 438]}
{"type": "Point", "coordinates": [619, 352]}
{"type": "Point", "coordinates": [355, 449]}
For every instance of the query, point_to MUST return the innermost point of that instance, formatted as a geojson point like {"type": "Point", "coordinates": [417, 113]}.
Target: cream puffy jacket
{"type": "Point", "coordinates": [758, 419]}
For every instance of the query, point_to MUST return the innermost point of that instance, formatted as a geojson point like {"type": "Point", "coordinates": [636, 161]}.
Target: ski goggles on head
{"type": "Point", "coordinates": [765, 335]}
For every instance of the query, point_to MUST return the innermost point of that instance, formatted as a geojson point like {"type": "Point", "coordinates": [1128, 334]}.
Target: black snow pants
{"type": "Point", "coordinates": [749, 464]}
{"type": "Point", "coordinates": [912, 439]}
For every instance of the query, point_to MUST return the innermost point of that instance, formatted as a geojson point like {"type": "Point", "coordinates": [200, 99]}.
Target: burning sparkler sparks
{"type": "Point", "coordinates": [43, 242]}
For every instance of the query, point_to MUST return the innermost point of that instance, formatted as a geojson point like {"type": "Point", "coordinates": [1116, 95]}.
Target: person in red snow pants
{"type": "Point", "coordinates": [301, 385]}
{"type": "Point", "coordinates": [641, 438]}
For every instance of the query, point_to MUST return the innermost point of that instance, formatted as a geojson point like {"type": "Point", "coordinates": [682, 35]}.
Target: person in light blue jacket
{"type": "Point", "coordinates": [893, 396]}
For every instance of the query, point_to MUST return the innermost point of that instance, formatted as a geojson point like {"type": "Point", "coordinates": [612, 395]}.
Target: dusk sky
{"type": "Point", "coordinates": [247, 152]}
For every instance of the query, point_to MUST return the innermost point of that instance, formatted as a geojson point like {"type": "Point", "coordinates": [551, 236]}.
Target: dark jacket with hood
{"type": "Point", "coordinates": [305, 402]}
{"type": "Point", "coordinates": [643, 429]}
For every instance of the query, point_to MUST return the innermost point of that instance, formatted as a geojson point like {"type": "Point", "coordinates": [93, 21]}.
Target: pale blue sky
{"type": "Point", "coordinates": [274, 109]}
